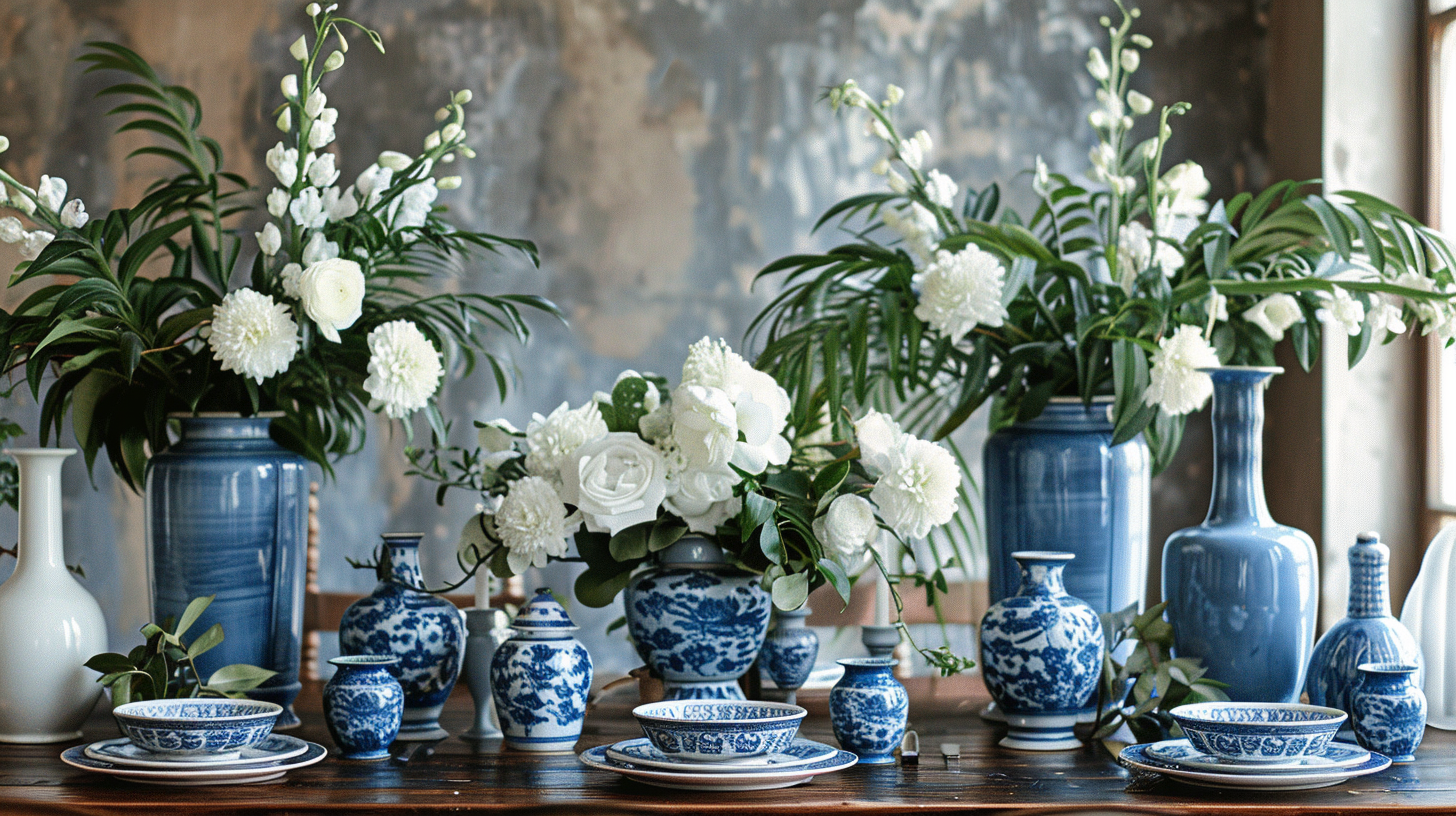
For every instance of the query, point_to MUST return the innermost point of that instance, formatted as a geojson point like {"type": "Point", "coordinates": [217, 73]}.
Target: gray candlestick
{"type": "Point", "coordinates": [880, 640]}
{"type": "Point", "coordinates": [486, 630]}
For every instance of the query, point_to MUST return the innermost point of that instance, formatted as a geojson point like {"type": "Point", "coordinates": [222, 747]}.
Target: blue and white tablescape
{"type": "Point", "coordinates": [486, 629]}
{"type": "Point", "coordinates": [197, 726]}
{"type": "Point", "coordinates": [643, 753]}
{"type": "Point", "coordinates": [224, 774]}
{"type": "Point", "coordinates": [719, 730]}
{"type": "Point", "coordinates": [540, 679]}
{"type": "Point", "coordinates": [363, 705]}
{"type": "Point", "coordinates": [1181, 752]}
{"type": "Point", "coordinates": [868, 709]}
{"type": "Point", "coordinates": [1258, 732]}
{"type": "Point", "coordinates": [1367, 634]}
{"type": "Point", "coordinates": [1041, 656]}
{"type": "Point", "coordinates": [1390, 710]}
{"type": "Point", "coordinates": [696, 621]}
{"type": "Point", "coordinates": [1136, 757]}
{"type": "Point", "coordinates": [697, 779]}
{"type": "Point", "coordinates": [124, 753]}
{"type": "Point", "coordinates": [424, 631]}
{"type": "Point", "coordinates": [789, 651]}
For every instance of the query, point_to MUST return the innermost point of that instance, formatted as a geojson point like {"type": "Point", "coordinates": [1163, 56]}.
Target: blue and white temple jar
{"type": "Point", "coordinates": [1041, 656]}
{"type": "Point", "coordinates": [789, 651]}
{"type": "Point", "coordinates": [1390, 710]}
{"type": "Point", "coordinates": [868, 708]}
{"type": "Point", "coordinates": [540, 679]}
{"type": "Point", "coordinates": [363, 704]}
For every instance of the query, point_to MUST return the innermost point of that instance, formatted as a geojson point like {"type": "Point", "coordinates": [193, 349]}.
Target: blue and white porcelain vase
{"type": "Point", "coordinates": [540, 679]}
{"type": "Point", "coordinates": [696, 621]}
{"type": "Point", "coordinates": [424, 631]}
{"type": "Point", "coordinates": [789, 651]}
{"type": "Point", "coordinates": [1041, 655]}
{"type": "Point", "coordinates": [1390, 710]}
{"type": "Point", "coordinates": [363, 704]}
{"type": "Point", "coordinates": [1243, 589]}
{"type": "Point", "coordinates": [227, 515]}
{"type": "Point", "coordinates": [868, 708]}
{"type": "Point", "coordinates": [1367, 634]}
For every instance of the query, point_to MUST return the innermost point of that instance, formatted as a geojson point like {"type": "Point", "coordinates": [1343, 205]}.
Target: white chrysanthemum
{"type": "Point", "coordinates": [404, 368]}
{"type": "Point", "coordinates": [847, 529]}
{"type": "Point", "coordinates": [253, 335]}
{"type": "Point", "coordinates": [550, 438]}
{"type": "Point", "coordinates": [941, 189]}
{"type": "Point", "coordinates": [332, 293]}
{"type": "Point", "coordinates": [961, 291]}
{"type": "Point", "coordinates": [532, 524]}
{"type": "Point", "coordinates": [918, 488]}
{"type": "Point", "coordinates": [1175, 383]}
{"type": "Point", "coordinates": [1275, 314]}
{"type": "Point", "coordinates": [917, 227]}
{"type": "Point", "coordinates": [1342, 311]}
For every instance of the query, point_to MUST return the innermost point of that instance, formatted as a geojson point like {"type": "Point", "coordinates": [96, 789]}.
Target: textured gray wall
{"type": "Point", "coordinates": [659, 151]}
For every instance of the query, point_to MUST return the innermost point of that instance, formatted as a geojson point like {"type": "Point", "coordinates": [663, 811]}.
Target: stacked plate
{"type": "Point", "coordinates": [269, 759]}
{"type": "Point", "coordinates": [1331, 765]}
{"type": "Point", "coordinates": [638, 759]}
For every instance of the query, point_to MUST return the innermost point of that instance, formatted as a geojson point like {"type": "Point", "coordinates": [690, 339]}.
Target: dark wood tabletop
{"type": "Point", "coordinates": [462, 777]}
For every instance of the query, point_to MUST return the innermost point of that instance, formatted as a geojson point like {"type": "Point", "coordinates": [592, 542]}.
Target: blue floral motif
{"type": "Point", "coordinates": [1258, 732]}
{"type": "Point", "coordinates": [790, 650]}
{"type": "Point", "coordinates": [540, 679]}
{"type": "Point", "coordinates": [868, 709]}
{"type": "Point", "coordinates": [196, 726]}
{"type": "Point", "coordinates": [363, 706]}
{"type": "Point", "coordinates": [1390, 710]}
{"type": "Point", "coordinates": [714, 731]}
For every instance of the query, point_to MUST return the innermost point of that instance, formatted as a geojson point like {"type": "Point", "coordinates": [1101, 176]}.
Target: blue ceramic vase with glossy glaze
{"type": "Point", "coordinates": [363, 705]}
{"type": "Point", "coordinates": [868, 709]}
{"type": "Point", "coordinates": [540, 679]}
{"type": "Point", "coordinates": [789, 651]}
{"type": "Point", "coordinates": [1242, 589]}
{"type": "Point", "coordinates": [1390, 710]}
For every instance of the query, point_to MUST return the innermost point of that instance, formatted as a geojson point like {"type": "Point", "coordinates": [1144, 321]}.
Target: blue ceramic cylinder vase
{"type": "Point", "coordinates": [540, 679]}
{"type": "Point", "coordinates": [1367, 634]}
{"type": "Point", "coordinates": [789, 651]}
{"type": "Point", "coordinates": [868, 709]}
{"type": "Point", "coordinates": [1242, 589]}
{"type": "Point", "coordinates": [426, 632]}
{"type": "Point", "coordinates": [1059, 479]}
{"type": "Point", "coordinates": [696, 621]}
{"type": "Point", "coordinates": [363, 704]}
{"type": "Point", "coordinates": [1390, 710]}
{"type": "Point", "coordinates": [1041, 655]}
{"type": "Point", "coordinates": [227, 515]}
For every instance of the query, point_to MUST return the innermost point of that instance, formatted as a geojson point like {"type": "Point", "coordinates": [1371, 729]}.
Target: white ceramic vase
{"type": "Point", "coordinates": [51, 624]}
{"type": "Point", "coordinates": [1430, 616]}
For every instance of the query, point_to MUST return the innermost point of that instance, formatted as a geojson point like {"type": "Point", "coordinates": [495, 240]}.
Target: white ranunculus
{"type": "Point", "coordinates": [704, 426]}
{"type": "Point", "coordinates": [616, 482]}
{"type": "Point", "coordinates": [496, 436]}
{"type": "Point", "coordinates": [319, 249]}
{"type": "Point", "coordinates": [1342, 311]}
{"type": "Point", "coordinates": [33, 243]}
{"type": "Point", "coordinates": [50, 194]}
{"type": "Point", "coordinates": [941, 189]}
{"type": "Point", "coordinates": [404, 368]}
{"type": "Point", "coordinates": [962, 290]}
{"type": "Point", "coordinates": [917, 227]}
{"type": "Point", "coordinates": [270, 240]}
{"type": "Point", "coordinates": [917, 490]}
{"type": "Point", "coordinates": [703, 499]}
{"type": "Point", "coordinates": [252, 335]}
{"type": "Point", "coordinates": [762, 410]}
{"type": "Point", "coordinates": [1275, 314]}
{"type": "Point", "coordinates": [877, 435]}
{"type": "Point", "coordinates": [322, 173]}
{"type": "Point", "coordinates": [283, 161]}
{"type": "Point", "coordinates": [332, 294]}
{"type": "Point", "coordinates": [550, 438]}
{"type": "Point", "coordinates": [532, 524]}
{"type": "Point", "coordinates": [11, 230]}
{"type": "Point", "coordinates": [1175, 384]}
{"type": "Point", "coordinates": [847, 529]}
{"type": "Point", "coordinates": [289, 278]}
{"type": "Point", "coordinates": [277, 202]}
{"type": "Point", "coordinates": [73, 215]}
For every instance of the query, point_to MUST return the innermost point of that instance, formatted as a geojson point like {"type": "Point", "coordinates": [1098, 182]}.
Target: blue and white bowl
{"type": "Point", "coordinates": [200, 726]}
{"type": "Point", "coordinates": [1258, 732]}
{"type": "Point", "coordinates": [719, 730]}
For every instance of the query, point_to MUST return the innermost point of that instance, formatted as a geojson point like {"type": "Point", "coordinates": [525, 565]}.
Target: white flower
{"type": "Point", "coordinates": [1134, 253]}
{"type": "Point", "coordinates": [11, 230]}
{"type": "Point", "coordinates": [315, 103]}
{"type": "Point", "coordinates": [73, 215]}
{"type": "Point", "coordinates": [318, 249]}
{"type": "Point", "coordinates": [877, 435]}
{"type": "Point", "coordinates": [289, 86]}
{"type": "Point", "coordinates": [32, 243]}
{"type": "Point", "coordinates": [1343, 311]}
{"type": "Point", "coordinates": [550, 438]}
{"type": "Point", "coordinates": [51, 192]}
{"type": "Point", "coordinates": [322, 131]}
{"type": "Point", "coordinates": [270, 240]}
{"type": "Point", "coordinates": [394, 160]}
{"type": "Point", "coordinates": [1175, 383]}
{"type": "Point", "coordinates": [322, 172]}
{"type": "Point", "coordinates": [404, 368]}
{"type": "Point", "coordinates": [532, 524]}
{"type": "Point", "coordinates": [451, 132]}
{"type": "Point", "coordinates": [893, 95]}
{"type": "Point", "coordinates": [922, 138]}
{"type": "Point", "coordinates": [896, 182]}
{"type": "Point", "coordinates": [917, 227]}
{"type": "Point", "coordinates": [1139, 103]}
{"type": "Point", "coordinates": [1097, 65]}
{"type": "Point", "coordinates": [941, 189]}
{"type": "Point", "coordinates": [283, 161]}
{"type": "Point", "coordinates": [1182, 190]}
{"type": "Point", "coordinates": [762, 409]}
{"type": "Point", "coordinates": [332, 294]}
{"type": "Point", "coordinates": [252, 335]}
{"type": "Point", "coordinates": [21, 201]}
{"type": "Point", "coordinates": [373, 182]}
{"type": "Point", "coordinates": [1130, 59]}
{"type": "Point", "coordinates": [449, 183]}
{"type": "Point", "coordinates": [413, 205]}
{"type": "Point", "coordinates": [703, 498]}
{"type": "Point", "coordinates": [616, 482]}
{"type": "Point", "coordinates": [847, 529]}
{"type": "Point", "coordinates": [340, 206]}
{"type": "Point", "coordinates": [1387, 315]}
{"type": "Point", "coordinates": [1218, 307]}
{"type": "Point", "coordinates": [1275, 314]}
{"type": "Point", "coordinates": [289, 276]}
{"type": "Point", "coordinates": [285, 120]}
{"type": "Point", "coordinates": [496, 436]}
{"type": "Point", "coordinates": [432, 141]}
{"type": "Point", "coordinates": [874, 127]}
{"type": "Point", "coordinates": [881, 167]}
{"type": "Point", "coordinates": [299, 49]}
{"type": "Point", "coordinates": [308, 209]}
{"type": "Point", "coordinates": [918, 488]}
{"type": "Point", "coordinates": [911, 153]}
{"type": "Point", "coordinates": [711, 364]}
{"type": "Point", "coordinates": [704, 426]}
{"type": "Point", "coordinates": [277, 202]}
{"type": "Point", "coordinates": [961, 291]}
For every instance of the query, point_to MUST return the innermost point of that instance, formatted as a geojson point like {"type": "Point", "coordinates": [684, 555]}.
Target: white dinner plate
{"type": "Point", "coordinates": [76, 757]}
{"type": "Point", "coordinates": [1135, 756]}
{"type": "Point", "coordinates": [747, 780]}
{"type": "Point", "coordinates": [1181, 753]}
{"type": "Point", "coordinates": [641, 752]}
{"type": "Point", "coordinates": [125, 753]}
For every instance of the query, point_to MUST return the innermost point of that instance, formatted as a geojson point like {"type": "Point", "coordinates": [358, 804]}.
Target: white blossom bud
{"type": "Point", "coordinates": [447, 158]}
{"type": "Point", "coordinates": [874, 127]}
{"type": "Point", "coordinates": [289, 85]}
{"type": "Point", "coordinates": [1097, 65]}
{"type": "Point", "coordinates": [319, 249]}
{"type": "Point", "coordinates": [51, 192]}
{"type": "Point", "coordinates": [321, 134]}
{"type": "Point", "coordinates": [20, 201]}
{"type": "Point", "coordinates": [277, 202]}
{"type": "Point", "coordinates": [73, 215]}
{"type": "Point", "coordinates": [299, 49]}
{"type": "Point", "coordinates": [467, 152]}
{"type": "Point", "coordinates": [463, 97]}
{"type": "Point", "coordinates": [432, 141]}
{"type": "Point", "coordinates": [312, 9]}
{"type": "Point", "coordinates": [394, 160]}
{"type": "Point", "coordinates": [1097, 118]}
{"type": "Point", "coordinates": [1141, 41]}
{"type": "Point", "coordinates": [270, 240]}
{"type": "Point", "coordinates": [4, 144]}
{"type": "Point", "coordinates": [1139, 103]}
{"type": "Point", "coordinates": [451, 132]}
{"type": "Point", "coordinates": [315, 103]}
{"type": "Point", "coordinates": [448, 183]}
{"type": "Point", "coordinates": [11, 230]}
{"type": "Point", "coordinates": [329, 116]}
{"type": "Point", "coordinates": [340, 205]}
{"type": "Point", "coordinates": [882, 167]}
{"type": "Point", "coordinates": [1130, 60]}
{"type": "Point", "coordinates": [897, 182]}
{"type": "Point", "coordinates": [442, 114]}
{"type": "Point", "coordinates": [923, 139]}
{"type": "Point", "coordinates": [893, 95]}
{"type": "Point", "coordinates": [334, 62]}
{"type": "Point", "coordinates": [285, 120]}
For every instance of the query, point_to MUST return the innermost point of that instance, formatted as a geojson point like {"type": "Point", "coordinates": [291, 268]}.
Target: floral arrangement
{"type": "Point", "coordinates": [1123, 283]}
{"type": "Point", "coordinates": [332, 322]}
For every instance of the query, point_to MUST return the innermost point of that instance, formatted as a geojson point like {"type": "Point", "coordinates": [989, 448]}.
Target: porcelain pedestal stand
{"type": "Point", "coordinates": [486, 630]}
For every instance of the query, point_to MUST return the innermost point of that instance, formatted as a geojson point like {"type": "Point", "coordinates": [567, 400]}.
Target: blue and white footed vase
{"type": "Point", "coordinates": [868, 709]}
{"type": "Point", "coordinates": [1367, 634]}
{"type": "Point", "coordinates": [540, 679]}
{"type": "Point", "coordinates": [789, 651]}
{"type": "Point", "coordinates": [696, 621]}
{"type": "Point", "coordinates": [1041, 656]}
{"type": "Point", "coordinates": [1243, 589]}
{"type": "Point", "coordinates": [363, 705]}
{"type": "Point", "coordinates": [1390, 710]}
{"type": "Point", "coordinates": [423, 630]}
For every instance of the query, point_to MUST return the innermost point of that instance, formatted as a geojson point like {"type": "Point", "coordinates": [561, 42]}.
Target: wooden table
{"type": "Point", "coordinates": [459, 777]}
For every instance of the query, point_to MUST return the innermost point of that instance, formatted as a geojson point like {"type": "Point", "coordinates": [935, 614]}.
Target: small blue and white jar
{"type": "Point", "coordinates": [1041, 656]}
{"type": "Point", "coordinates": [868, 708]}
{"type": "Point", "coordinates": [1390, 710]}
{"type": "Point", "coordinates": [789, 651]}
{"type": "Point", "coordinates": [540, 679]}
{"type": "Point", "coordinates": [363, 704]}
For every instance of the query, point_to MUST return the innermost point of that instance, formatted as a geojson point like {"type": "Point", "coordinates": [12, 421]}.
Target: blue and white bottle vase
{"type": "Point", "coordinates": [540, 679]}
{"type": "Point", "coordinates": [789, 651]}
{"type": "Point", "coordinates": [868, 709]}
{"type": "Point", "coordinates": [363, 704]}
{"type": "Point", "coordinates": [1390, 710]}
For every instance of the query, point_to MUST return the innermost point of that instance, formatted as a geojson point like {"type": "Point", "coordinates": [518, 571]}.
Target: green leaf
{"type": "Point", "coordinates": [193, 611]}
{"type": "Point", "coordinates": [770, 543]}
{"type": "Point", "coordinates": [110, 663]}
{"type": "Point", "coordinates": [599, 587]}
{"type": "Point", "coordinates": [631, 543]}
{"type": "Point", "coordinates": [829, 479]}
{"type": "Point", "coordinates": [834, 574]}
{"type": "Point", "coordinates": [757, 509]}
{"type": "Point", "coordinates": [790, 591]}
{"type": "Point", "coordinates": [666, 531]}
{"type": "Point", "coordinates": [238, 677]}
{"type": "Point", "coordinates": [205, 641]}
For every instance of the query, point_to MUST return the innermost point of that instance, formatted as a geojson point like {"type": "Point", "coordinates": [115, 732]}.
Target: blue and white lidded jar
{"type": "Point", "coordinates": [868, 708]}
{"type": "Point", "coordinates": [363, 703]}
{"type": "Point", "coordinates": [540, 679]}
{"type": "Point", "coordinates": [1390, 710]}
{"type": "Point", "coordinates": [789, 651]}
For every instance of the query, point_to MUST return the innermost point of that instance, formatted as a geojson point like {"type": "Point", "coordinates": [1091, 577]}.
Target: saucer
{"type": "Point", "coordinates": [1183, 754]}
{"type": "Point", "coordinates": [123, 752]}
{"type": "Point", "coordinates": [749, 779]}
{"type": "Point", "coordinates": [1135, 756]}
{"type": "Point", "coordinates": [212, 775]}
{"type": "Point", "coordinates": [640, 752]}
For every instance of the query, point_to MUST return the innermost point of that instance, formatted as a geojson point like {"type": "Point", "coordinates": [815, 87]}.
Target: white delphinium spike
{"type": "Point", "coordinates": [283, 161]}
{"type": "Point", "coordinates": [50, 194]}
{"type": "Point", "coordinates": [404, 368]}
{"type": "Point", "coordinates": [277, 202]}
{"type": "Point", "coordinates": [323, 173]}
{"type": "Point", "coordinates": [270, 240]}
{"type": "Point", "coordinates": [299, 49]}
{"type": "Point", "coordinates": [321, 134]}
{"type": "Point", "coordinates": [253, 335]}
{"type": "Point", "coordinates": [73, 215]}
{"type": "Point", "coordinates": [315, 103]}
{"type": "Point", "coordinates": [33, 243]}
{"type": "Point", "coordinates": [11, 230]}
{"type": "Point", "coordinates": [308, 209]}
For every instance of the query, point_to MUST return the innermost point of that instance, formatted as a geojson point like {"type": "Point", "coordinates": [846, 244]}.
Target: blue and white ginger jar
{"type": "Point", "coordinates": [363, 705]}
{"type": "Point", "coordinates": [1390, 710]}
{"type": "Point", "coordinates": [540, 679]}
{"type": "Point", "coordinates": [1041, 656]}
{"type": "Point", "coordinates": [789, 651]}
{"type": "Point", "coordinates": [868, 708]}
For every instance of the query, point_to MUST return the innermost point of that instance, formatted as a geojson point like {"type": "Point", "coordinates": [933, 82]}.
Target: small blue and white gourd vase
{"type": "Point", "coordinates": [1367, 634]}
{"type": "Point", "coordinates": [363, 704]}
{"type": "Point", "coordinates": [424, 631]}
{"type": "Point", "coordinates": [789, 651]}
{"type": "Point", "coordinates": [868, 708]}
{"type": "Point", "coordinates": [1390, 710]}
{"type": "Point", "coordinates": [696, 621]}
{"type": "Point", "coordinates": [540, 679]}
{"type": "Point", "coordinates": [1041, 656]}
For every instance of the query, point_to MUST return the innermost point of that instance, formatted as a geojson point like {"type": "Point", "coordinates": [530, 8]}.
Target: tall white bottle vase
{"type": "Point", "coordinates": [49, 624]}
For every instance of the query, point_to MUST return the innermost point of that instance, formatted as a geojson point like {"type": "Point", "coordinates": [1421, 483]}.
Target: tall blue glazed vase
{"type": "Point", "coordinates": [1242, 589]}
{"type": "Point", "coordinates": [227, 515]}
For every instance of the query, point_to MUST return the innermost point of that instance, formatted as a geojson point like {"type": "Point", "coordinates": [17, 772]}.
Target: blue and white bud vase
{"type": "Point", "coordinates": [540, 679]}
{"type": "Point", "coordinates": [424, 631]}
{"type": "Point", "coordinates": [1390, 710]}
{"type": "Point", "coordinates": [363, 704]}
{"type": "Point", "coordinates": [789, 651]}
{"type": "Point", "coordinates": [868, 708]}
{"type": "Point", "coordinates": [1041, 656]}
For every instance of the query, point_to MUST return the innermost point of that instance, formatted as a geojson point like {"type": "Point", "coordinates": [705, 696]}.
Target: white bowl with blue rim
{"type": "Point", "coordinates": [719, 730]}
{"type": "Point", "coordinates": [197, 727]}
{"type": "Point", "coordinates": [1258, 732]}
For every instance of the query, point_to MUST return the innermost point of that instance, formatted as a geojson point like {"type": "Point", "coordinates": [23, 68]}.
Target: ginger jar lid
{"type": "Point", "coordinates": [543, 614]}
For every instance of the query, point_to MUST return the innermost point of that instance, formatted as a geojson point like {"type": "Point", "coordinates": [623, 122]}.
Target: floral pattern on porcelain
{"type": "Point", "coordinates": [363, 705]}
{"type": "Point", "coordinates": [719, 731]}
{"type": "Point", "coordinates": [799, 752]}
{"type": "Point", "coordinates": [1390, 710]}
{"type": "Point", "coordinates": [540, 679]}
{"type": "Point", "coordinates": [790, 650]}
{"type": "Point", "coordinates": [1258, 732]}
{"type": "Point", "coordinates": [196, 726]}
{"type": "Point", "coordinates": [868, 709]}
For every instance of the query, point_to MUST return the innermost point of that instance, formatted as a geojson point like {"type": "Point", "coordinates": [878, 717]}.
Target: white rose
{"type": "Point", "coordinates": [332, 293]}
{"type": "Point", "coordinates": [848, 529]}
{"type": "Point", "coordinates": [704, 426]}
{"type": "Point", "coordinates": [703, 499]}
{"type": "Point", "coordinates": [616, 481]}
{"type": "Point", "coordinates": [1275, 314]}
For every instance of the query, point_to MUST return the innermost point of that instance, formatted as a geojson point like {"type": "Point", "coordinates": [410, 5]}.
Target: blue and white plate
{"type": "Point", "coordinates": [641, 752]}
{"type": "Point", "coordinates": [126, 753]}
{"type": "Point", "coordinates": [1136, 756]}
{"type": "Point", "coordinates": [1181, 752]}
{"type": "Point", "coordinates": [749, 779]}
{"type": "Point", "coordinates": [210, 775]}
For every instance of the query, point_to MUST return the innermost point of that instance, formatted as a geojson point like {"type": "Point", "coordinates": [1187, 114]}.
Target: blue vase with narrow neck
{"type": "Point", "coordinates": [1242, 589]}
